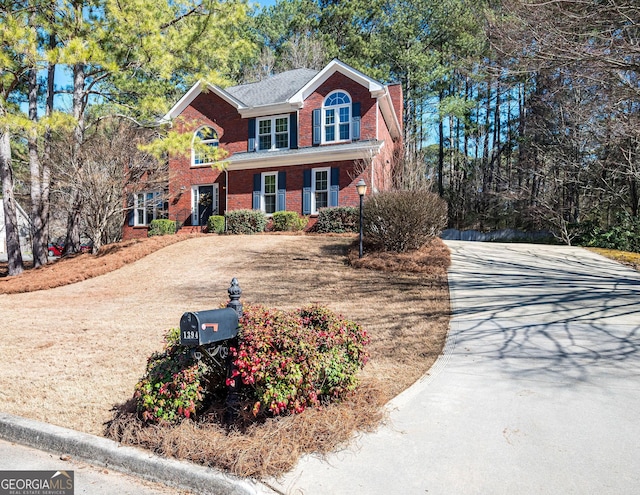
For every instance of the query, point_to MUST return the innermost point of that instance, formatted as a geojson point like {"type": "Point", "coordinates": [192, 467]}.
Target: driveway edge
{"type": "Point", "coordinates": [130, 460]}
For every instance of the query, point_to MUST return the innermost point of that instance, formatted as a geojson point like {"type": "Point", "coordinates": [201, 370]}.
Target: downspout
{"type": "Point", "coordinates": [226, 197]}
{"type": "Point", "coordinates": [374, 189]}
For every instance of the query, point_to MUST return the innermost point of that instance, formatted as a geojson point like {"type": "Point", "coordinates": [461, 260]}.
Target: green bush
{"type": "Point", "coordinates": [162, 227]}
{"type": "Point", "coordinates": [290, 360]}
{"type": "Point", "coordinates": [338, 219]}
{"type": "Point", "coordinates": [171, 388]}
{"type": "Point", "coordinates": [401, 221]}
{"type": "Point", "coordinates": [215, 224]}
{"type": "Point", "coordinates": [288, 221]}
{"type": "Point", "coordinates": [624, 235]}
{"type": "Point", "coordinates": [245, 221]}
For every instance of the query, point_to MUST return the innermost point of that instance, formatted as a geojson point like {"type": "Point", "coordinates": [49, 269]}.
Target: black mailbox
{"type": "Point", "coordinates": [208, 327]}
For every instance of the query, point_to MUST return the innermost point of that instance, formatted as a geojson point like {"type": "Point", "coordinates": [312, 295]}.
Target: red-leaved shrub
{"type": "Point", "coordinates": [295, 359]}
{"type": "Point", "coordinates": [287, 360]}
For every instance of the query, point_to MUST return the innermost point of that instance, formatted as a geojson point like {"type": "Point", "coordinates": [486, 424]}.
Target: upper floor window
{"type": "Point", "coordinates": [273, 133]}
{"type": "Point", "coordinates": [336, 112]}
{"type": "Point", "coordinates": [208, 137]}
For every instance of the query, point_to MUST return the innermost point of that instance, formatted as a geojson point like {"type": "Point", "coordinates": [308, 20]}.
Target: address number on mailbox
{"type": "Point", "coordinates": [190, 335]}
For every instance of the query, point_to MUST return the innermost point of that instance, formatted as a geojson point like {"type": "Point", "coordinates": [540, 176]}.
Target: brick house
{"type": "Point", "coordinates": [297, 141]}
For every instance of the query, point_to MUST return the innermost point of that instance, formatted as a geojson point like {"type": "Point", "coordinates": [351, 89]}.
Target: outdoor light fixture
{"type": "Point", "coordinates": [361, 187]}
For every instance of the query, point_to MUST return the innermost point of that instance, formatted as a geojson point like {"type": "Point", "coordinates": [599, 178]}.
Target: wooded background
{"type": "Point", "coordinates": [520, 114]}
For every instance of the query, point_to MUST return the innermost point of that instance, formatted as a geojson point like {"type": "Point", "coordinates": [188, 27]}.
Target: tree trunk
{"type": "Point", "coordinates": [15, 265]}
{"type": "Point", "coordinates": [72, 242]}
{"type": "Point", "coordinates": [46, 162]}
{"type": "Point", "coordinates": [441, 150]}
{"type": "Point", "coordinates": [39, 236]}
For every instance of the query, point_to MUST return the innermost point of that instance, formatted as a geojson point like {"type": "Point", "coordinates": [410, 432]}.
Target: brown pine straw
{"type": "Point", "coordinates": [78, 267]}
{"type": "Point", "coordinates": [274, 446]}
{"type": "Point", "coordinates": [90, 354]}
{"type": "Point", "coordinates": [261, 450]}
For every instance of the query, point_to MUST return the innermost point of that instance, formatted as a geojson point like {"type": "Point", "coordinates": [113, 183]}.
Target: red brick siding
{"type": "Point", "coordinates": [134, 232]}
{"type": "Point", "coordinates": [241, 185]}
{"type": "Point", "coordinates": [384, 161]}
{"type": "Point", "coordinates": [210, 109]}
{"type": "Point", "coordinates": [357, 92]}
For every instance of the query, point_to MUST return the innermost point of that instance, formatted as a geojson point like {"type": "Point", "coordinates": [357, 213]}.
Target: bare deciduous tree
{"type": "Point", "coordinates": [111, 164]}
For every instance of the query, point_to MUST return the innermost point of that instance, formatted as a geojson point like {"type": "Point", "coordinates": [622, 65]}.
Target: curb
{"type": "Point", "coordinates": [129, 460]}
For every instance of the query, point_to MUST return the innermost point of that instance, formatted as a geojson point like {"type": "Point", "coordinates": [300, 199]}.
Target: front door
{"type": "Point", "coordinates": [205, 200]}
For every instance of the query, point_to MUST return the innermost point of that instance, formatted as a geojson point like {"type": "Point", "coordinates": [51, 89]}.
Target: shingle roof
{"type": "Point", "coordinates": [275, 89]}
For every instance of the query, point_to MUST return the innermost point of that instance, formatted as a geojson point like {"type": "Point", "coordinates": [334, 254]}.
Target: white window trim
{"type": "Point", "coordinates": [314, 210]}
{"type": "Point", "coordinates": [273, 132]}
{"type": "Point", "coordinates": [263, 204]}
{"type": "Point", "coordinates": [204, 141]}
{"type": "Point", "coordinates": [336, 124]}
{"type": "Point", "coordinates": [156, 198]}
{"type": "Point", "coordinates": [195, 197]}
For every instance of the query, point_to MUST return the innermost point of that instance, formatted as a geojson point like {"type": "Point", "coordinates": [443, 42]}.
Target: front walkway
{"type": "Point", "coordinates": [538, 390]}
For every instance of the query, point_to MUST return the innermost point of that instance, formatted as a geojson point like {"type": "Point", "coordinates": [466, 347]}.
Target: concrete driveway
{"type": "Point", "coordinates": [537, 392]}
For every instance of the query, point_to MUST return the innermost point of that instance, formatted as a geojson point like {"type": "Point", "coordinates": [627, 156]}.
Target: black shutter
{"type": "Point", "coordinates": [355, 121]}
{"type": "Point", "coordinates": [282, 192]}
{"type": "Point", "coordinates": [334, 190]}
{"type": "Point", "coordinates": [131, 213]}
{"type": "Point", "coordinates": [257, 190]}
{"type": "Point", "coordinates": [317, 127]}
{"type": "Point", "coordinates": [293, 131]}
{"type": "Point", "coordinates": [306, 192]}
{"type": "Point", "coordinates": [251, 142]}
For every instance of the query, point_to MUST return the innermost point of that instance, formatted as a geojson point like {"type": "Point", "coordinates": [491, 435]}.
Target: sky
{"type": "Point", "coordinates": [266, 3]}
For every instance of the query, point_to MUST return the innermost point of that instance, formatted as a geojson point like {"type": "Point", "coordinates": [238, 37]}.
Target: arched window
{"type": "Point", "coordinates": [336, 111]}
{"type": "Point", "coordinates": [208, 137]}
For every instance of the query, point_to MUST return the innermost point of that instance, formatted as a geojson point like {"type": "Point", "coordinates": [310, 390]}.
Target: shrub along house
{"type": "Point", "coordinates": [297, 141]}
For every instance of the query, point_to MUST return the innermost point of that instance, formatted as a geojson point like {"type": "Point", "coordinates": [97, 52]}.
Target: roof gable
{"type": "Point", "coordinates": [286, 92]}
{"type": "Point", "coordinates": [194, 92]}
{"type": "Point", "coordinates": [334, 66]}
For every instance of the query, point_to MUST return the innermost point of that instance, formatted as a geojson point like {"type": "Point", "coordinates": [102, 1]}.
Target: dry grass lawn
{"type": "Point", "coordinates": [71, 353]}
{"type": "Point", "coordinates": [626, 258]}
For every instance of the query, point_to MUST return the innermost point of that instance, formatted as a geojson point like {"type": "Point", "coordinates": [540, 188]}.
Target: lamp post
{"type": "Point", "coordinates": [361, 187]}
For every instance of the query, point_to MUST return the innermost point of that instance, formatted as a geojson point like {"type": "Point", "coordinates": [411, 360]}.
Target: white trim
{"type": "Point", "coordinates": [314, 209]}
{"type": "Point", "coordinates": [337, 123]}
{"type": "Point", "coordinates": [377, 91]}
{"type": "Point", "coordinates": [304, 156]}
{"type": "Point", "coordinates": [296, 102]}
{"type": "Point", "coordinates": [332, 67]}
{"type": "Point", "coordinates": [195, 197]}
{"type": "Point", "coordinates": [273, 119]}
{"type": "Point", "coordinates": [263, 205]}
{"type": "Point", "coordinates": [389, 114]}
{"type": "Point", "coordinates": [377, 120]}
{"type": "Point", "coordinates": [193, 93]}
{"type": "Point", "coordinates": [204, 141]}
{"type": "Point", "coordinates": [156, 197]}
{"type": "Point", "coordinates": [266, 110]}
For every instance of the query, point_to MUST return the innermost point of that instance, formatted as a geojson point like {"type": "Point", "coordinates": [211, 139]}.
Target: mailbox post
{"type": "Point", "coordinates": [210, 334]}
{"type": "Point", "coordinates": [234, 380]}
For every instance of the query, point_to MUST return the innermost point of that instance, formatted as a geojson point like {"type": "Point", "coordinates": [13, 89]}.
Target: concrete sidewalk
{"type": "Point", "coordinates": [537, 391]}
